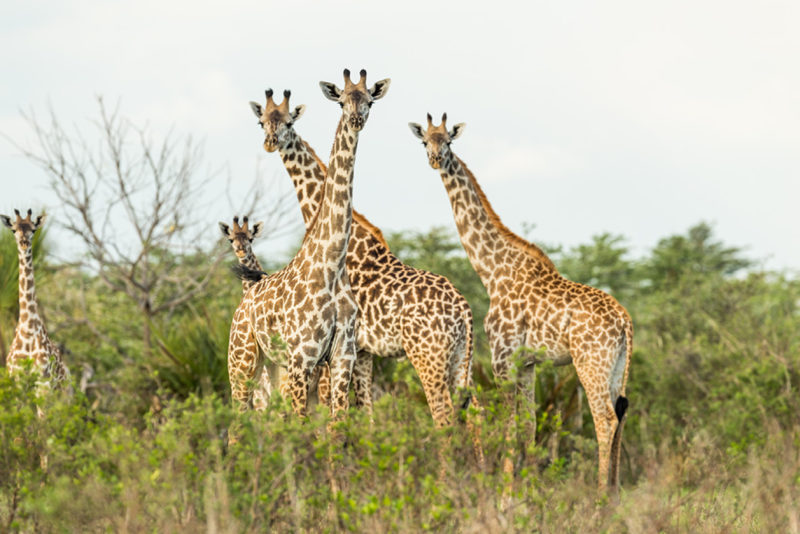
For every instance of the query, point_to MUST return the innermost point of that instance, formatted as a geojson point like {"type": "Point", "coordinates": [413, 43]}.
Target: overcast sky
{"type": "Point", "coordinates": [635, 118]}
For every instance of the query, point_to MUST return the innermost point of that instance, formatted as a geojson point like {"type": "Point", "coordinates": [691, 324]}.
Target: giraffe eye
{"type": "Point", "coordinates": [230, 240]}
{"type": "Point", "coordinates": [341, 104]}
{"type": "Point", "coordinates": [424, 143]}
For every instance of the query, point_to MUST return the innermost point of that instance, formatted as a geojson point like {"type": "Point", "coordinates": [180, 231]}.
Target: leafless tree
{"type": "Point", "coordinates": [133, 202]}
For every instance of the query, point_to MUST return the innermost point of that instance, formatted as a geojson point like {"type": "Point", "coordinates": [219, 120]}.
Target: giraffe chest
{"type": "Point", "coordinates": [31, 343]}
{"type": "Point", "coordinates": [297, 320]}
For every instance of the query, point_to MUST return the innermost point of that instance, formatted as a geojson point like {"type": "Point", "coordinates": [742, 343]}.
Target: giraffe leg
{"type": "Point", "coordinates": [434, 375]}
{"type": "Point", "coordinates": [598, 395]}
{"type": "Point", "coordinates": [343, 357]}
{"type": "Point", "coordinates": [461, 368]}
{"type": "Point", "coordinates": [502, 374]}
{"type": "Point", "coordinates": [297, 382]}
{"type": "Point", "coordinates": [262, 391]}
{"type": "Point", "coordinates": [526, 398]}
{"type": "Point", "coordinates": [324, 384]}
{"type": "Point", "coordinates": [362, 381]}
{"type": "Point", "coordinates": [242, 361]}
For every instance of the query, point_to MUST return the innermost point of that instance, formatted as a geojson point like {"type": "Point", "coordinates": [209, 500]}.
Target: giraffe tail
{"type": "Point", "coordinates": [620, 409]}
{"type": "Point", "coordinates": [466, 362]}
{"type": "Point", "coordinates": [247, 274]}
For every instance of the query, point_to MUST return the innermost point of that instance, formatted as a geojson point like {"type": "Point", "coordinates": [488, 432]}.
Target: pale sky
{"type": "Point", "coordinates": [635, 118]}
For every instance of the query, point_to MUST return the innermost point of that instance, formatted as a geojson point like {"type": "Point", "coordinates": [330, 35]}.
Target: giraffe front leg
{"type": "Point", "coordinates": [343, 357]}
{"type": "Point", "coordinates": [298, 379]}
{"type": "Point", "coordinates": [362, 382]}
{"type": "Point", "coordinates": [324, 384]}
{"type": "Point", "coordinates": [242, 365]}
{"type": "Point", "coordinates": [263, 391]}
{"type": "Point", "coordinates": [525, 393]}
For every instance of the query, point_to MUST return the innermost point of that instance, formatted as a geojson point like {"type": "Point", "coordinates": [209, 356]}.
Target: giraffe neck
{"type": "Point", "coordinates": [329, 233]}
{"type": "Point", "coordinates": [307, 173]}
{"type": "Point", "coordinates": [251, 262]}
{"type": "Point", "coordinates": [487, 242]}
{"type": "Point", "coordinates": [28, 309]}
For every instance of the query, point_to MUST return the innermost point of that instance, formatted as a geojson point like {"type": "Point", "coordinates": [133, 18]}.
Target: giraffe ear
{"type": "Point", "coordinates": [226, 230]}
{"type": "Point", "coordinates": [256, 107]}
{"type": "Point", "coordinates": [6, 220]}
{"type": "Point", "coordinates": [457, 130]}
{"type": "Point", "coordinates": [258, 228]}
{"type": "Point", "coordinates": [39, 221]}
{"type": "Point", "coordinates": [298, 112]}
{"type": "Point", "coordinates": [330, 91]}
{"type": "Point", "coordinates": [380, 89]}
{"type": "Point", "coordinates": [416, 129]}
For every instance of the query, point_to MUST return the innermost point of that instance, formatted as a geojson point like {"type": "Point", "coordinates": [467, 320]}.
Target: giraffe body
{"type": "Point", "coordinates": [309, 304]}
{"type": "Point", "coordinates": [533, 306]}
{"type": "Point", "coordinates": [403, 311]}
{"type": "Point", "coordinates": [31, 341]}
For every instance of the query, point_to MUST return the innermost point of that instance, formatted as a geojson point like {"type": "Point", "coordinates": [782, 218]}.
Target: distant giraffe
{"type": "Point", "coordinates": [30, 338]}
{"type": "Point", "coordinates": [403, 311]}
{"type": "Point", "coordinates": [241, 239]}
{"type": "Point", "coordinates": [532, 305]}
{"type": "Point", "coordinates": [309, 303]}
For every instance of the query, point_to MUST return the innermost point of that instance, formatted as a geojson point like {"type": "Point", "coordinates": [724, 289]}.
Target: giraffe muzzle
{"type": "Point", "coordinates": [356, 122]}
{"type": "Point", "coordinates": [271, 143]}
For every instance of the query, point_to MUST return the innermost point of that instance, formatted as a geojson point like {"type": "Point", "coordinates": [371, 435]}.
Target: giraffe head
{"type": "Point", "coordinates": [276, 120]}
{"type": "Point", "coordinates": [437, 139]}
{"type": "Point", "coordinates": [23, 228]}
{"type": "Point", "coordinates": [241, 237]}
{"type": "Point", "coordinates": [355, 99]}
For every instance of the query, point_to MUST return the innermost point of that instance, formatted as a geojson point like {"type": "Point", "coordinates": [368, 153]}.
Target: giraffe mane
{"type": "Point", "coordinates": [371, 228]}
{"type": "Point", "coordinates": [529, 248]}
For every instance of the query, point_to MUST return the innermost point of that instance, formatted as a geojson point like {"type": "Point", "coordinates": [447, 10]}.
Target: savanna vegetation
{"type": "Point", "coordinates": [711, 444]}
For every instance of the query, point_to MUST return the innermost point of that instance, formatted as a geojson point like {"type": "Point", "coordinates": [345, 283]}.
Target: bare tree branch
{"type": "Point", "coordinates": [131, 200]}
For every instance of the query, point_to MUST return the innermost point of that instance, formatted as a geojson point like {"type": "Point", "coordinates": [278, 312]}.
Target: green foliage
{"type": "Point", "coordinates": [712, 440]}
{"type": "Point", "coordinates": [691, 258]}
{"type": "Point", "coordinates": [601, 264]}
{"type": "Point", "coordinates": [192, 356]}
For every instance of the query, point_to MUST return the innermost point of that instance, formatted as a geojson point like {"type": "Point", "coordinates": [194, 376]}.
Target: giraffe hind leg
{"type": "Point", "coordinates": [606, 424]}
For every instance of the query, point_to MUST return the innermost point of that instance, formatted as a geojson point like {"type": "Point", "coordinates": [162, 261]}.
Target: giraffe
{"type": "Point", "coordinates": [241, 239]}
{"type": "Point", "coordinates": [30, 338]}
{"type": "Point", "coordinates": [403, 311]}
{"type": "Point", "coordinates": [309, 303]}
{"type": "Point", "coordinates": [533, 306]}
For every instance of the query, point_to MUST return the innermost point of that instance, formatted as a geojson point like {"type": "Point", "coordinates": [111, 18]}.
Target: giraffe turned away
{"type": "Point", "coordinates": [30, 338]}
{"type": "Point", "coordinates": [403, 311]}
{"type": "Point", "coordinates": [241, 239]}
{"type": "Point", "coordinates": [309, 304]}
{"type": "Point", "coordinates": [532, 305]}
